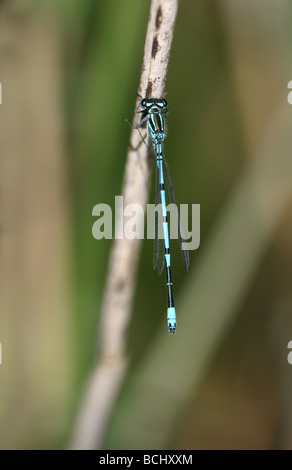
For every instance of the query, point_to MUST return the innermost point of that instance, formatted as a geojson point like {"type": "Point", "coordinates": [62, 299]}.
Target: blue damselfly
{"type": "Point", "coordinates": [153, 110]}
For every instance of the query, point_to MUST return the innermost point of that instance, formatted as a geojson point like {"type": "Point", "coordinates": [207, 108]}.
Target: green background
{"type": "Point", "coordinates": [225, 376]}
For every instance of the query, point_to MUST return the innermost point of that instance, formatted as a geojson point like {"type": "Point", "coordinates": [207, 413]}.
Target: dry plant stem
{"type": "Point", "coordinates": [107, 376]}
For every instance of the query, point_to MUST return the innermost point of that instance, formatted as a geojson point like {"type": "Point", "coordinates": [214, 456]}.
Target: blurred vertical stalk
{"type": "Point", "coordinates": [106, 377]}
{"type": "Point", "coordinates": [260, 45]}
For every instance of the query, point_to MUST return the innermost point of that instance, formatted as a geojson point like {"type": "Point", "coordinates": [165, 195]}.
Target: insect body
{"type": "Point", "coordinates": [154, 110]}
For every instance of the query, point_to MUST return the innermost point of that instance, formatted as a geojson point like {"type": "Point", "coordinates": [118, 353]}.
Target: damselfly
{"type": "Point", "coordinates": [154, 110]}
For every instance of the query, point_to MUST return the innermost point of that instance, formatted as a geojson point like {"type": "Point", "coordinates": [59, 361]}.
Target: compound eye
{"type": "Point", "coordinates": [143, 103]}
{"type": "Point", "coordinates": [164, 103]}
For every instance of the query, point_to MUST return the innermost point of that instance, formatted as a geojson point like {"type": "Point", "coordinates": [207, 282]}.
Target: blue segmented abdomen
{"type": "Point", "coordinates": [171, 315]}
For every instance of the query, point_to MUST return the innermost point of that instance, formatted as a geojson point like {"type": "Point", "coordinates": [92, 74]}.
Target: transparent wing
{"type": "Point", "coordinates": [172, 200]}
{"type": "Point", "coordinates": [158, 244]}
